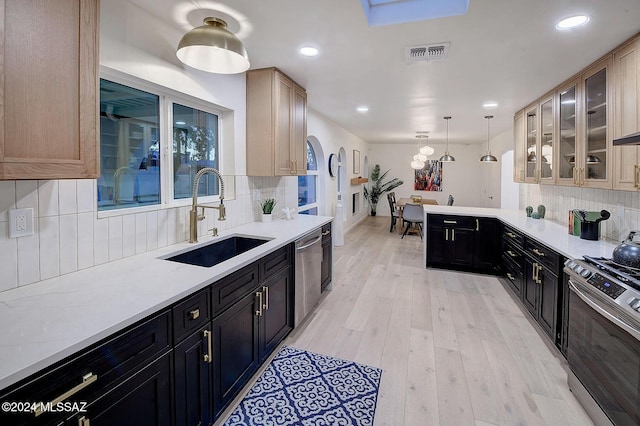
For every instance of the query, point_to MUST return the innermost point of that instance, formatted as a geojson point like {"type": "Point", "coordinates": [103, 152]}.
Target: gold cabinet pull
{"type": "Point", "coordinates": [453, 235]}
{"type": "Point", "coordinates": [446, 234]}
{"type": "Point", "coordinates": [538, 252]}
{"type": "Point", "coordinates": [87, 379]}
{"type": "Point", "coordinates": [208, 357]}
{"type": "Point", "coordinates": [325, 233]}
{"type": "Point", "coordinates": [259, 296]}
{"type": "Point", "coordinates": [511, 253]}
{"type": "Point", "coordinates": [195, 314]}
{"type": "Point", "coordinates": [266, 297]}
{"type": "Point", "coordinates": [450, 222]}
{"type": "Point", "coordinates": [535, 273]}
{"type": "Point", "coordinates": [510, 276]}
{"type": "Point", "coordinates": [83, 421]}
{"type": "Point", "coordinates": [477, 225]}
{"type": "Point", "coordinates": [575, 175]}
{"type": "Point", "coordinates": [511, 234]}
{"type": "Point", "coordinates": [635, 176]}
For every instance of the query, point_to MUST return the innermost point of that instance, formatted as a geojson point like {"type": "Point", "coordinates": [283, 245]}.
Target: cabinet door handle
{"type": "Point", "coordinates": [635, 176]}
{"type": "Point", "coordinates": [510, 276]}
{"type": "Point", "coordinates": [266, 297]}
{"type": "Point", "coordinates": [453, 235]}
{"type": "Point", "coordinates": [259, 296]}
{"type": "Point", "coordinates": [538, 252]}
{"type": "Point", "coordinates": [575, 175]}
{"type": "Point", "coordinates": [325, 233]}
{"type": "Point", "coordinates": [87, 379]}
{"type": "Point", "coordinates": [511, 253]}
{"type": "Point", "coordinates": [450, 222]}
{"type": "Point", "coordinates": [511, 234]}
{"type": "Point", "coordinates": [83, 421]}
{"type": "Point", "coordinates": [581, 176]}
{"type": "Point", "coordinates": [195, 314]}
{"type": "Point", "coordinates": [477, 225]}
{"type": "Point", "coordinates": [446, 234]}
{"type": "Point", "coordinates": [208, 357]}
{"type": "Point", "coordinates": [534, 275]}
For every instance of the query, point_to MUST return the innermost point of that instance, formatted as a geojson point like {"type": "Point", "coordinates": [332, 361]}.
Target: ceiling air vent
{"type": "Point", "coordinates": [428, 52]}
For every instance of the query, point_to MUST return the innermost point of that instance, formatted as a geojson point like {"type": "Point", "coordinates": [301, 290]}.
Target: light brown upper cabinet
{"type": "Point", "coordinates": [276, 124]}
{"type": "Point", "coordinates": [519, 141]}
{"type": "Point", "coordinates": [594, 162]}
{"type": "Point", "coordinates": [540, 134]}
{"type": "Point", "coordinates": [626, 66]}
{"type": "Point", "coordinates": [567, 100]}
{"type": "Point", "coordinates": [49, 89]}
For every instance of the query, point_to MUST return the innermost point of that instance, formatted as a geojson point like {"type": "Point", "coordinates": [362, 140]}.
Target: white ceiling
{"type": "Point", "coordinates": [507, 51]}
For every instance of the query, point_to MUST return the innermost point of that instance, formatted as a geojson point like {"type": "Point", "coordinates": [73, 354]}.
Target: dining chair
{"type": "Point", "coordinates": [412, 214]}
{"type": "Point", "coordinates": [395, 213]}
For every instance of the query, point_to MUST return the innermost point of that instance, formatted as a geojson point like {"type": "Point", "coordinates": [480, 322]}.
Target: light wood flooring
{"type": "Point", "coordinates": [455, 348]}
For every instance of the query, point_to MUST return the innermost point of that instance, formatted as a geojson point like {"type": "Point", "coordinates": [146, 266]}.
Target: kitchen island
{"type": "Point", "coordinates": [55, 318]}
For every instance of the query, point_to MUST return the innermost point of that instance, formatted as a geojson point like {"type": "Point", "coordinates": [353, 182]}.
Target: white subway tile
{"type": "Point", "coordinates": [67, 196]}
{"type": "Point", "coordinates": [8, 260]}
{"type": "Point", "coordinates": [28, 259]}
{"type": "Point", "coordinates": [7, 199]}
{"type": "Point", "coordinates": [115, 238]}
{"type": "Point", "coordinates": [86, 195]}
{"type": "Point", "coordinates": [49, 233]}
{"type": "Point", "coordinates": [172, 225]}
{"type": "Point", "coordinates": [85, 240]}
{"type": "Point", "coordinates": [48, 198]}
{"type": "Point", "coordinates": [152, 230]}
{"type": "Point", "coordinates": [128, 235]}
{"type": "Point", "coordinates": [27, 195]}
{"type": "Point", "coordinates": [163, 227]}
{"type": "Point", "coordinates": [141, 232]}
{"type": "Point", "coordinates": [101, 241]}
{"type": "Point", "coordinates": [68, 243]}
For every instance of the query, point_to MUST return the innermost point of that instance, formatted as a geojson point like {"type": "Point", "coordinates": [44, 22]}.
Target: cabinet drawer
{"type": "Point", "coordinates": [513, 236]}
{"type": "Point", "coordinates": [513, 253]}
{"type": "Point", "coordinates": [89, 373]}
{"type": "Point", "coordinates": [449, 221]}
{"type": "Point", "coordinates": [543, 254]}
{"type": "Point", "coordinates": [232, 288]}
{"type": "Point", "coordinates": [326, 233]}
{"type": "Point", "coordinates": [191, 314]}
{"type": "Point", "coordinates": [276, 261]}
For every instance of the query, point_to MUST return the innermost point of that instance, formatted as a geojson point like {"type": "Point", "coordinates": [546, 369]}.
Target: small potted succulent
{"type": "Point", "coordinates": [267, 205]}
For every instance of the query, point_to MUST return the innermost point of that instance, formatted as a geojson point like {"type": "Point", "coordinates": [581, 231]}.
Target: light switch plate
{"type": "Point", "coordinates": [20, 222]}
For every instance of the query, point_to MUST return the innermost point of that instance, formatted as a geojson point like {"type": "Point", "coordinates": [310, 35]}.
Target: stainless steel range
{"type": "Point", "coordinates": [604, 335]}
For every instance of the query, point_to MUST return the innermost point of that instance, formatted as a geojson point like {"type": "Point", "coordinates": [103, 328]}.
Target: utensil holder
{"type": "Point", "coordinates": [590, 231]}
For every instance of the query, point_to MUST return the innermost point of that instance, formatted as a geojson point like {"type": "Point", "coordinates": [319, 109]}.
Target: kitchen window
{"type": "Point", "coordinates": [132, 141]}
{"type": "Point", "coordinates": [308, 185]}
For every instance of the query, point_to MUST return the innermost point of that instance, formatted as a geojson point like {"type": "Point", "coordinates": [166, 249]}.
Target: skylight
{"type": "Point", "coordinates": [388, 12]}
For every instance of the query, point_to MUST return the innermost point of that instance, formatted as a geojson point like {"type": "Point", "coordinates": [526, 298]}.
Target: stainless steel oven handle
{"type": "Point", "coordinates": [586, 299]}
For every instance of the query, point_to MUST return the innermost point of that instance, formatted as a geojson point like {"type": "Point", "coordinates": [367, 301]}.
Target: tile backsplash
{"type": "Point", "coordinates": [69, 236]}
{"type": "Point", "coordinates": [624, 206]}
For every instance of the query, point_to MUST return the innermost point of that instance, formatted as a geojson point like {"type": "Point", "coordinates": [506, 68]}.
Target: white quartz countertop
{"type": "Point", "coordinates": [550, 233]}
{"type": "Point", "coordinates": [43, 323]}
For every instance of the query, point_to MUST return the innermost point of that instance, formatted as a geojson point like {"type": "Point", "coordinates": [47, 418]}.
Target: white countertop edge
{"type": "Point", "coordinates": [552, 234]}
{"type": "Point", "coordinates": [128, 290]}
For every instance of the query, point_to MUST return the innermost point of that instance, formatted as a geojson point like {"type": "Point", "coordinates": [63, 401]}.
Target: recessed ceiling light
{"type": "Point", "coordinates": [572, 22]}
{"type": "Point", "coordinates": [180, 123]}
{"type": "Point", "coordinates": [422, 136]}
{"type": "Point", "coordinates": [308, 51]}
{"type": "Point", "coordinates": [362, 109]}
{"type": "Point", "coordinates": [490, 104]}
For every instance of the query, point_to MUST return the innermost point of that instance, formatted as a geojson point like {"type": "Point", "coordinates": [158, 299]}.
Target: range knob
{"type": "Point", "coordinates": [578, 269]}
{"type": "Point", "coordinates": [635, 304]}
{"type": "Point", "coordinates": [586, 273]}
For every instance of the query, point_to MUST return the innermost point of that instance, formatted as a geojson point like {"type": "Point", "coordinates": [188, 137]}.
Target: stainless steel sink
{"type": "Point", "coordinates": [219, 251]}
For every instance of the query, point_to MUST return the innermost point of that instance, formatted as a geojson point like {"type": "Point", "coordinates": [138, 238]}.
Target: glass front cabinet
{"type": "Point", "coordinates": [567, 99]}
{"type": "Point", "coordinates": [539, 141]}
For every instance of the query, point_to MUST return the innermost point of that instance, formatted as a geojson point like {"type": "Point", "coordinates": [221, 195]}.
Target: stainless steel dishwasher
{"type": "Point", "coordinates": [308, 274]}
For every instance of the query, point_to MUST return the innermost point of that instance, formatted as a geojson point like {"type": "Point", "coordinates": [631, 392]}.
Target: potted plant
{"type": "Point", "coordinates": [267, 205]}
{"type": "Point", "coordinates": [379, 187]}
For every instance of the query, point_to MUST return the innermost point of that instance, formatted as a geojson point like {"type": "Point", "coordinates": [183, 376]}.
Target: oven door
{"type": "Point", "coordinates": [604, 356]}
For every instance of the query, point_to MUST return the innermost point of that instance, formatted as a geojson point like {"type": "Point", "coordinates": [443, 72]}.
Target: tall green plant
{"type": "Point", "coordinates": [379, 187]}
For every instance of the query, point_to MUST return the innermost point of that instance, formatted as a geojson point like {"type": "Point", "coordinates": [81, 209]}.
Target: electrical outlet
{"type": "Point", "coordinates": [20, 222]}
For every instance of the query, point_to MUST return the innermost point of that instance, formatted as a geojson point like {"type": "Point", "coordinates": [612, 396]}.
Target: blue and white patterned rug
{"type": "Point", "coordinates": [304, 388]}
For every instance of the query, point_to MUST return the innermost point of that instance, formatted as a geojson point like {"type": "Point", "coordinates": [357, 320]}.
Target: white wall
{"type": "Point", "coordinates": [333, 137]}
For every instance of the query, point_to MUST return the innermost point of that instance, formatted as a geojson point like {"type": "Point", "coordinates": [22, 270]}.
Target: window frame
{"type": "Point", "coordinates": [167, 97]}
{"type": "Point", "coordinates": [315, 173]}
